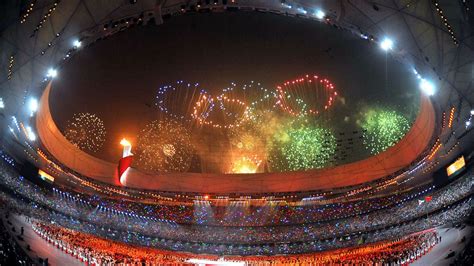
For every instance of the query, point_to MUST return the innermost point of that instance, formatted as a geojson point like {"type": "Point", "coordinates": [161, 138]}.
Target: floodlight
{"type": "Point", "coordinates": [52, 73]}
{"type": "Point", "coordinates": [77, 44]}
{"type": "Point", "coordinates": [320, 14]}
{"type": "Point", "coordinates": [427, 87]}
{"type": "Point", "coordinates": [31, 136]}
{"type": "Point", "coordinates": [33, 105]}
{"type": "Point", "coordinates": [386, 44]}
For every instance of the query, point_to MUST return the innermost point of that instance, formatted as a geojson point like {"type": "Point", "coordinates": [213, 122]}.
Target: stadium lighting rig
{"type": "Point", "coordinates": [427, 87]}
{"type": "Point", "coordinates": [52, 73]}
{"type": "Point", "coordinates": [77, 44]}
{"type": "Point", "coordinates": [386, 44]}
{"type": "Point", "coordinates": [320, 14]}
{"type": "Point", "coordinates": [32, 106]}
{"type": "Point", "coordinates": [30, 134]}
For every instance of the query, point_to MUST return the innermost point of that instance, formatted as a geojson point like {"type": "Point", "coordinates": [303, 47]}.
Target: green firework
{"type": "Point", "coordinates": [302, 148]}
{"type": "Point", "coordinates": [383, 129]}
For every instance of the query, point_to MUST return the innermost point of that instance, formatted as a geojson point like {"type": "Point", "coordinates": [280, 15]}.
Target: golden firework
{"type": "Point", "coordinates": [164, 146]}
{"type": "Point", "coordinates": [86, 131]}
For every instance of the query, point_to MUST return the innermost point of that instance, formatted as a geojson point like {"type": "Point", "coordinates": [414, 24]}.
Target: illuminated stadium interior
{"type": "Point", "coordinates": [282, 132]}
{"type": "Point", "coordinates": [221, 111]}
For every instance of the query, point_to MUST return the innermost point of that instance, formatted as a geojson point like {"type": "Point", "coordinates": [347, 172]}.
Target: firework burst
{"type": "Point", "coordinates": [301, 147]}
{"type": "Point", "coordinates": [248, 150]}
{"type": "Point", "coordinates": [86, 131]}
{"type": "Point", "coordinates": [245, 165]}
{"type": "Point", "coordinates": [383, 129]}
{"type": "Point", "coordinates": [164, 146]}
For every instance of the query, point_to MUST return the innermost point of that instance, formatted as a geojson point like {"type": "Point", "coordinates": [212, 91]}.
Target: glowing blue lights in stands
{"type": "Point", "coordinates": [15, 122]}
{"type": "Point", "coordinates": [7, 158]}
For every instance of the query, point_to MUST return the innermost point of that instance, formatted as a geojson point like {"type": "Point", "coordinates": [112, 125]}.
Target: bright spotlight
{"type": "Point", "coordinates": [320, 14]}
{"type": "Point", "coordinates": [33, 105]}
{"type": "Point", "coordinates": [77, 44]}
{"type": "Point", "coordinates": [472, 112]}
{"type": "Point", "coordinates": [468, 123]}
{"type": "Point", "coordinates": [52, 73]}
{"type": "Point", "coordinates": [2, 104]}
{"type": "Point", "coordinates": [386, 44]}
{"type": "Point", "coordinates": [427, 87]}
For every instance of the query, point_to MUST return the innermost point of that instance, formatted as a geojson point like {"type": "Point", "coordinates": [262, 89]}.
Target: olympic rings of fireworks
{"type": "Point", "coordinates": [227, 110]}
{"type": "Point", "coordinates": [203, 107]}
{"type": "Point", "coordinates": [264, 103]}
{"type": "Point", "coordinates": [306, 96]}
{"type": "Point", "coordinates": [164, 146]}
{"type": "Point", "coordinates": [222, 111]}
{"type": "Point", "coordinates": [86, 131]}
{"type": "Point", "coordinates": [247, 111]}
{"type": "Point", "coordinates": [232, 109]}
{"type": "Point", "coordinates": [182, 92]}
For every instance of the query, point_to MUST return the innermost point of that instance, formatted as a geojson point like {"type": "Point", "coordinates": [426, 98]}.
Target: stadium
{"type": "Point", "coordinates": [233, 132]}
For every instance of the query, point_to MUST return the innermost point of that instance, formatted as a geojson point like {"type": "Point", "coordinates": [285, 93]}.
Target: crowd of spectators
{"type": "Point", "coordinates": [234, 213]}
{"type": "Point", "coordinates": [99, 251]}
{"type": "Point", "coordinates": [407, 216]}
{"type": "Point", "coordinates": [84, 210]}
{"type": "Point", "coordinates": [241, 213]}
{"type": "Point", "coordinates": [131, 236]}
{"type": "Point", "coordinates": [396, 252]}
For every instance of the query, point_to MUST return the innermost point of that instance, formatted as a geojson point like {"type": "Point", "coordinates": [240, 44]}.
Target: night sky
{"type": "Point", "coordinates": [117, 78]}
